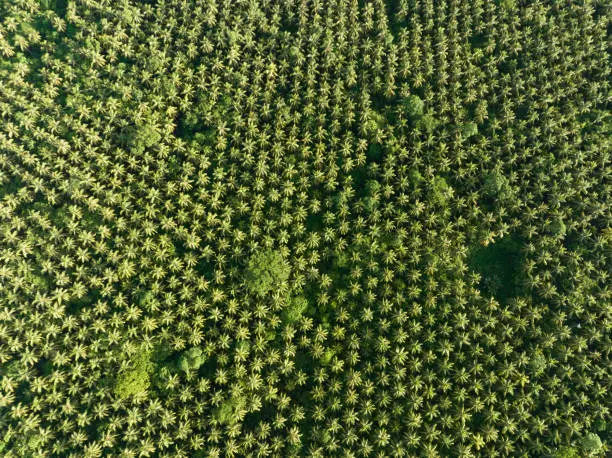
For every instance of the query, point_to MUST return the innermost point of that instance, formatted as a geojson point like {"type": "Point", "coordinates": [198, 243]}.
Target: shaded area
{"type": "Point", "coordinates": [10, 186]}
{"type": "Point", "coordinates": [75, 306]}
{"type": "Point", "coordinates": [499, 265]}
{"type": "Point", "coordinates": [58, 6]}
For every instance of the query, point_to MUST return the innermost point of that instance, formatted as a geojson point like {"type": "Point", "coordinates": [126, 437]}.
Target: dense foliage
{"type": "Point", "coordinates": [266, 272]}
{"type": "Point", "coordinates": [286, 228]}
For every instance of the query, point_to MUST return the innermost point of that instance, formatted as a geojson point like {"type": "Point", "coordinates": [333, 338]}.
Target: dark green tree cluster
{"type": "Point", "coordinates": [267, 271]}
{"type": "Point", "coordinates": [414, 109]}
{"type": "Point", "coordinates": [191, 359]}
{"type": "Point", "coordinates": [136, 379]}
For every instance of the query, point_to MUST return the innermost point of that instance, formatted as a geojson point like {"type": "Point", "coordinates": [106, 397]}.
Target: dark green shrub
{"type": "Point", "coordinates": [327, 357]}
{"type": "Point", "coordinates": [230, 411]}
{"type": "Point", "coordinates": [267, 270]}
{"type": "Point", "coordinates": [296, 308]}
{"type": "Point", "coordinates": [591, 444]}
{"type": "Point", "coordinates": [374, 122]}
{"type": "Point", "coordinates": [191, 360]}
{"type": "Point", "coordinates": [413, 107]}
{"type": "Point", "coordinates": [137, 378]}
{"type": "Point", "coordinates": [496, 186]}
{"type": "Point", "coordinates": [415, 176]}
{"type": "Point", "coordinates": [439, 191]}
{"type": "Point", "coordinates": [427, 122]}
{"type": "Point", "coordinates": [566, 452]}
{"type": "Point", "coordinates": [538, 363]}
{"type": "Point", "coordinates": [143, 137]}
{"type": "Point", "coordinates": [557, 227]}
{"type": "Point", "coordinates": [506, 4]}
{"type": "Point", "coordinates": [469, 130]}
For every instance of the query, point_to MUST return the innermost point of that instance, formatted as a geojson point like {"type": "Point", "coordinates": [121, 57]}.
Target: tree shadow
{"type": "Point", "coordinates": [11, 186]}
{"type": "Point", "coordinates": [500, 267]}
{"type": "Point", "coordinates": [75, 306]}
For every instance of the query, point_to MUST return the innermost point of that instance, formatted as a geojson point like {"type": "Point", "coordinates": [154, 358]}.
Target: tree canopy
{"type": "Point", "coordinates": [305, 228]}
{"type": "Point", "coordinates": [267, 271]}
